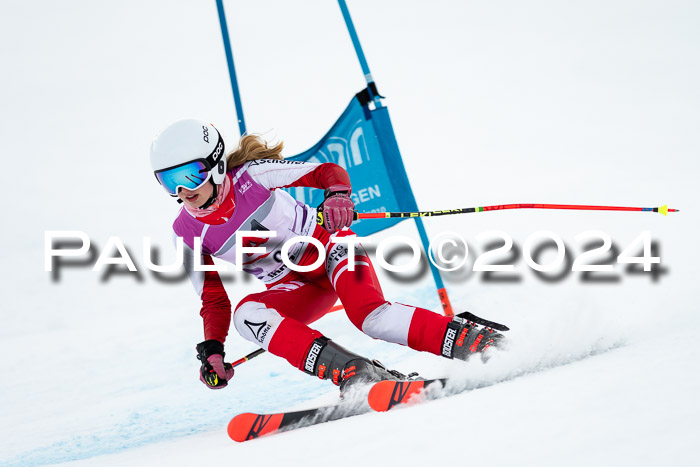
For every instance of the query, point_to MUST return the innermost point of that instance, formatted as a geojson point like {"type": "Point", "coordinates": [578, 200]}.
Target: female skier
{"type": "Point", "coordinates": [238, 194]}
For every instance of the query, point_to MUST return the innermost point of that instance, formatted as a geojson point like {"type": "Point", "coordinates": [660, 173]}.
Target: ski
{"type": "Point", "coordinates": [382, 396]}
{"type": "Point", "coordinates": [385, 395]}
{"type": "Point", "coordinates": [247, 426]}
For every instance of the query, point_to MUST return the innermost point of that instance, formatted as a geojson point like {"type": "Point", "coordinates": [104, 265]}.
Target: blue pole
{"type": "Point", "coordinates": [404, 193]}
{"type": "Point", "coordinates": [392, 155]}
{"type": "Point", "coordinates": [358, 49]}
{"type": "Point", "coordinates": [231, 68]}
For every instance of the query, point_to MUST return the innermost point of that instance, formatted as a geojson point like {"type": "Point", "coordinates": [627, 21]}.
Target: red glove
{"type": "Point", "coordinates": [213, 372]}
{"type": "Point", "coordinates": [337, 209]}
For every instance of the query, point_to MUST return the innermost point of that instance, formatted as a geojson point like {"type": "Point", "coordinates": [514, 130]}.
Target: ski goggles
{"type": "Point", "coordinates": [190, 175]}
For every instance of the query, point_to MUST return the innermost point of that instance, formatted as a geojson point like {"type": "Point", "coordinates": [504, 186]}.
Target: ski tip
{"type": "Point", "coordinates": [239, 426]}
{"type": "Point", "coordinates": [246, 426]}
{"type": "Point", "coordinates": [386, 394]}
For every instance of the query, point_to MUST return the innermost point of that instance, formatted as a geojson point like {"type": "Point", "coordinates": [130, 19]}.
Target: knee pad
{"type": "Point", "coordinates": [256, 322]}
{"type": "Point", "coordinates": [390, 322]}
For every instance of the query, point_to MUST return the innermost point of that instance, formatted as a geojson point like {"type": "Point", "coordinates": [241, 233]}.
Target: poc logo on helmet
{"type": "Point", "coordinates": [206, 134]}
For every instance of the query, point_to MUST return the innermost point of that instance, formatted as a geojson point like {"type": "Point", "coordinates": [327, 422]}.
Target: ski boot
{"type": "Point", "coordinates": [464, 338]}
{"type": "Point", "coordinates": [328, 360]}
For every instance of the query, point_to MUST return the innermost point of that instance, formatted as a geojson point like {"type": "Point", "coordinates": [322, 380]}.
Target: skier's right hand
{"type": "Point", "coordinates": [337, 209]}
{"type": "Point", "coordinates": [213, 372]}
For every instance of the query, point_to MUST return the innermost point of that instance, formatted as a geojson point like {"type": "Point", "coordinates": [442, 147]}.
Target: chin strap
{"type": "Point", "coordinates": [211, 199]}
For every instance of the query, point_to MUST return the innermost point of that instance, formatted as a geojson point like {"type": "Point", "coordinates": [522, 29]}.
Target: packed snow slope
{"type": "Point", "coordinates": [492, 102]}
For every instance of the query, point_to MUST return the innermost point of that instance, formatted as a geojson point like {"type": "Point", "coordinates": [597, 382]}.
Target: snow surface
{"type": "Point", "coordinates": [492, 102]}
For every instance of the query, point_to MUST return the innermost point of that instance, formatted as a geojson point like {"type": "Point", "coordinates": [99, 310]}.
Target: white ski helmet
{"type": "Point", "coordinates": [187, 154]}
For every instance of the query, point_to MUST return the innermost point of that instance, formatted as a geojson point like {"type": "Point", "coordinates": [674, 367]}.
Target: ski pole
{"type": "Point", "coordinates": [247, 357]}
{"type": "Point", "coordinates": [498, 207]}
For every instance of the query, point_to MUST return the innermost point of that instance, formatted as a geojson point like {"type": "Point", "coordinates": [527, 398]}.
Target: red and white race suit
{"type": "Point", "coordinates": [277, 319]}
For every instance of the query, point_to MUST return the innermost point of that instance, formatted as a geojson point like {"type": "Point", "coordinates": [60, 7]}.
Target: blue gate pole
{"type": "Point", "coordinates": [359, 52]}
{"type": "Point", "coordinates": [231, 68]}
{"type": "Point", "coordinates": [390, 148]}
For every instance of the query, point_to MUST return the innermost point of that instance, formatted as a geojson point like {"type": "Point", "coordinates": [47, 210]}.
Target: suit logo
{"type": "Point", "coordinates": [259, 330]}
{"type": "Point", "coordinates": [245, 187]}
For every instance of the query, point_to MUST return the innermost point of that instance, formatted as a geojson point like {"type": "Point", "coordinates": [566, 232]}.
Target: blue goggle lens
{"type": "Point", "coordinates": [191, 175]}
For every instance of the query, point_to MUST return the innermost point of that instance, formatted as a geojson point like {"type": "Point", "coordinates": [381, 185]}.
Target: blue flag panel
{"type": "Point", "coordinates": [361, 145]}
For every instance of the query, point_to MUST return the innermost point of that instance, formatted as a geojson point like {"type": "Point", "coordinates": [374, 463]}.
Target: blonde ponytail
{"type": "Point", "coordinates": [252, 147]}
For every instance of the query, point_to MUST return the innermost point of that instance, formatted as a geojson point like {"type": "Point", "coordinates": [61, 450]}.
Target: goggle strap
{"type": "Point", "coordinates": [217, 154]}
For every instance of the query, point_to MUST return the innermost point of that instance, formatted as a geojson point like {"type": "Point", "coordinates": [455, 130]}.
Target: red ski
{"type": "Point", "coordinates": [247, 426]}
{"type": "Point", "coordinates": [386, 394]}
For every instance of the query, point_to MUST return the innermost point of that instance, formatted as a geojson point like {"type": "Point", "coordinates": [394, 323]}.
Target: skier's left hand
{"type": "Point", "coordinates": [213, 372]}
{"type": "Point", "coordinates": [338, 209]}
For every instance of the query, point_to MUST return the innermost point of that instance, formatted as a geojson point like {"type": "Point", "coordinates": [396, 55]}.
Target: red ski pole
{"type": "Point", "coordinates": [497, 207]}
